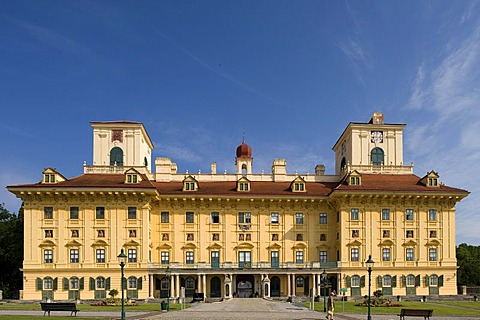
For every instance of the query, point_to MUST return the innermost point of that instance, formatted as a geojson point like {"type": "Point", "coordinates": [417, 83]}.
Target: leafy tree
{"type": "Point", "coordinates": [468, 260]}
{"type": "Point", "coordinates": [11, 251]}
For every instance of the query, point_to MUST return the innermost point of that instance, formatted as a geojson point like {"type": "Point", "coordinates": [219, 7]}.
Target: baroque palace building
{"type": "Point", "coordinates": [227, 235]}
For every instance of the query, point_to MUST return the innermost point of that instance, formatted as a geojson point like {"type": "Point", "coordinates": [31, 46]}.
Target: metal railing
{"type": "Point", "coordinates": [247, 265]}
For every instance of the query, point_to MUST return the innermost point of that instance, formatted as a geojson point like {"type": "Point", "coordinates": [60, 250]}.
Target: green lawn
{"type": "Point", "coordinates": [460, 308]}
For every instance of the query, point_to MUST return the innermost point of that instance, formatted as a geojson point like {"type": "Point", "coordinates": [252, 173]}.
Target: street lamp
{"type": "Point", "coordinates": [168, 272]}
{"type": "Point", "coordinates": [122, 258]}
{"type": "Point", "coordinates": [324, 278]}
{"type": "Point", "coordinates": [369, 264]}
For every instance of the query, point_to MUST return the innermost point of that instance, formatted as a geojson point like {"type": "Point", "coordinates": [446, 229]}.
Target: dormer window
{"type": "Point", "coordinates": [50, 175]}
{"type": "Point", "coordinates": [298, 185]}
{"type": "Point", "coordinates": [190, 184]}
{"type": "Point", "coordinates": [132, 176]}
{"type": "Point", "coordinates": [431, 179]}
{"type": "Point", "coordinates": [243, 184]}
{"type": "Point", "coordinates": [49, 178]}
{"type": "Point", "coordinates": [355, 179]}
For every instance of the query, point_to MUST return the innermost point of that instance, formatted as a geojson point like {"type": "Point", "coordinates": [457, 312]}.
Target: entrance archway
{"type": "Point", "coordinates": [245, 286]}
{"type": "Point", "coordinates": [215, 287]}
{"type": "Point", "coordinates": [275, 287]}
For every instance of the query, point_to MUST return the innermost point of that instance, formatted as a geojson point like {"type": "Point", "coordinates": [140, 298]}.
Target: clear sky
{"type": "Point", "coordinates": [289, 74]}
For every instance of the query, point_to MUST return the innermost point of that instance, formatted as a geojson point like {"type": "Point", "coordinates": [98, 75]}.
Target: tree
{"type": "Point", "coordinates": [11, 251]}
{"type": "Point", "coordinates": [468, 260]}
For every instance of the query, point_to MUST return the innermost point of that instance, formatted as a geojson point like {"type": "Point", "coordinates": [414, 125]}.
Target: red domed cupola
{"type": "Point", "coordinates": [244, 150]}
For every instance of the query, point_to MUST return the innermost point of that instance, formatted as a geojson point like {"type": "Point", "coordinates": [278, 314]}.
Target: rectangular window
{"type": "Point", "coordinates": [248, 237]}
{"type": "Point", "coordinates": [215, 217]}
{"type": "Point", "coordinates": [355, 233]}
{"type": "Point", "coordinates": [323, 218]}
{"type": "Point", "coordinates": [386, 254]}
{"type": "Point", "coordinates": [323, 237]}
{"type": "Point", "coordinates": [190, 237]}
{"type": "Point", "coordinates": [299, 257]}
{"type": "Point", "coordinates": [48, 213]}
{"type": "Point", "coordinates": [274, 236]}
{"type": "Point", "coordinates": [354, 214]}
{"type": "Point", "coordinates": [274, 217]}
{"type": "Point", "coordinates": [189, 217]}
{"type": "Point", "coordinates": [433, 233]}
{"type": "Point", "coordinates": [132, 233]}
{"type": "Point", "coordinates": [323, 256]}
{"type": "Point", "coordinates": [189, 257]}
{"type": "Point", "coordinates": [244, 217]}
{"type": "Point", "coordinates": [48, 233]}
{"type": "Point", "coordinates": [432, 256]}
{"type": "Point", "coordinates": [101, 234]}
{"type": "Point", "coordinates": [409, 214]}
{"type": "Point", "coordinates": [48, 283]}
{"type": "Point", "coordinates": [409, 234]}
{"type": "Point", "coordinates": [299, 237]}
{"type": "Point", "coordinates": [100, 255]}
{"type": "Point", "coordinates": [74, 213]}
{"type": "Point", "coordinates": [215, 259]}
{"type": "Point", "coordinates": [243, 186]}
{"type": "Point", "coordinates": [132, 213]}
{"type": "Point", "coordinates": [165, 236]}
{"type": "Point", "coordinates": [299, 186]}
{"type": "Point", "coordinates": [385, 214]}
{"type": "Point", "coordinates": [299, 218]}
{"type": "Point", "coordinates": [432, 214]}
{"type": "Point", "coordinates": [75, 233]}
{"type": "Point", "coordinates": [100, 213]}
{"type": "Point", "coordinates": [164, 217]}
{"type": "Point", "coordinates": [216, 236]}
{"type": "Point", "coordinates": [354, 254]}
{"type": "Point", "coordinates": [244, 259]}
{"type": "Point", "coordinates": [274, 259]}
{"type": "Point", "coordinates": [386, 234]}
{"type": "Point", "coordinates": [48, 256]}
{"type": "Point", "coordinates": [74, 256]}
{"type": "Point", "coordinates": [165, 257]}
{"type": "Point", "coordinates": [410, 254]}
{"type": "Point", "coordinates": [132, 255]}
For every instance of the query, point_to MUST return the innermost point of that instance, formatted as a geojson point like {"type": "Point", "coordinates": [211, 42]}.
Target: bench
{"type": "Point", "coordinates": [425, 313]}
{"type": "Point", "coordinates": [59, 306]}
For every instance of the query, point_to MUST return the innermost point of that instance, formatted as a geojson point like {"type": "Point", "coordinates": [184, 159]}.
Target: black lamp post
{"type": "Point", "coordinates": [122, 258]}
{"type": "Point", "coordinates": [324, 278]}
{"type": "Point", "coordinates": [168, 272]}
{"type": "Point", "coordinates": [369, 264]}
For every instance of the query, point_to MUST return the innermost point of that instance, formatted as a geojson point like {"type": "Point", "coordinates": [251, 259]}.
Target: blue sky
{"type": "Point", "coordinates": [199, 74]}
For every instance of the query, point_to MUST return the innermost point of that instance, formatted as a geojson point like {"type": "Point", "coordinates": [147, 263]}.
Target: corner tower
{"type": "Point", "coordinates": [121, 144]}
{"type": "Point", "coordinates": [370, 147]}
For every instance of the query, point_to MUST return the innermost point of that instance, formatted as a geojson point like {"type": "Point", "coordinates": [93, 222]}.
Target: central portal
{"type": "Point", "coordinates": [245, 286]}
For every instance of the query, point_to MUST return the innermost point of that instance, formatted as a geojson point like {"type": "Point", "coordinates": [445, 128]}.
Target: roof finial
{"type": "Point", "coordinates": [243, 139]}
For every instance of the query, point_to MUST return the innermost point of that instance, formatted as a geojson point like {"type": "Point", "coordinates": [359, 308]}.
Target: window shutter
{"type": "Point", "coordinates": [348, 281]}
{"type": "Point", "coordinates": [362, 281]}
{"type": "Point", "coordinates": [92, 284]}
{"type": "Point", "coordinates": [404, 281]}
{"type": "Point", "coordinates": [440, 281]}
{"type": "Point", "coordinates": [107, 284]}
{"type": "Point", "coordinates": [379, 282]}
{"type": "Point", "coordinates": [427, 281]}
{"type": "Point", "coordinates": [417, 281]}
{"type": "Point", "coordinates": [139, 283]}
{"type": "Point", "coordinates": [65, 284]}
{"type": "Point", "coordinates": [394, 281]}
{"type": "Point", "coordinates": [55, 284]}
{"type": "Point", "coordinates": [39, 284]}
{"type": "Point", "coordinates": [81, 283]}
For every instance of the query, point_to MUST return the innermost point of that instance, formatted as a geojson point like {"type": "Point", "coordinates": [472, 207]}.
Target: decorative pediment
{"type": "Point", "coordinates": [100, 243]}
{"type": "Point", "coordinates": [73, 243]}
{"type": "Point", "coordinates": [299, 245]}
{"type": "Point", "coordinates": [410, 243]}
{"type": "Point", "coordinates": [431, 179]}
{"type": "Point", "coordinates": [214, 246]}
{"type": "Point", "coordinates": [298, 185]}
{"type": "Point", "coordinates": [355, 243]}
{"type": "Point", "coordinates": [433, 243]}
{"type": "Point", "coordinates": [164, 246]}
{"type": "Point", "coordinates": [131, 243]}
{"type": "Point", "coordinates": [244, 245]}
{"type": "Point", "coordinates": [190, 183]}
{"type": "Point", "coordinates": [132, 176]}
{"type": "Point", "coordinates": [386, 243]}
{"type": "Point", "coordinates": [47, 243]}
{"type": "Point", "coordinates": [274, 246]}
{"type": "Point", "coordinates": [189, 245]}
{"type": "Point", "coordinates": [51, 176]}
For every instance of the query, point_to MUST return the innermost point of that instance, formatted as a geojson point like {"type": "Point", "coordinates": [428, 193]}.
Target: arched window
{"type": "Point", "coordinates": [343, 164]}
{"type": "Point", "coordinates": [132, 283]}
{"type": "Point", "coordinates": [101, 283]}
{"type": "Point", "coordinates": [116, 156]}
{"type": "Point", "coordinates": [377, 156]}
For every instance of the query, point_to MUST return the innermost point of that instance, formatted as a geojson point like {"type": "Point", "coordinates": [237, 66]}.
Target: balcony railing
{"type": "Point", "coordinates": [246, 266]}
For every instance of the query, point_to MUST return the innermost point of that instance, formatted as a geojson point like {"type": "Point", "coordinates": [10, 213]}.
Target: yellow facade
{"type": "Point", "coordinates": [242, 234]}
